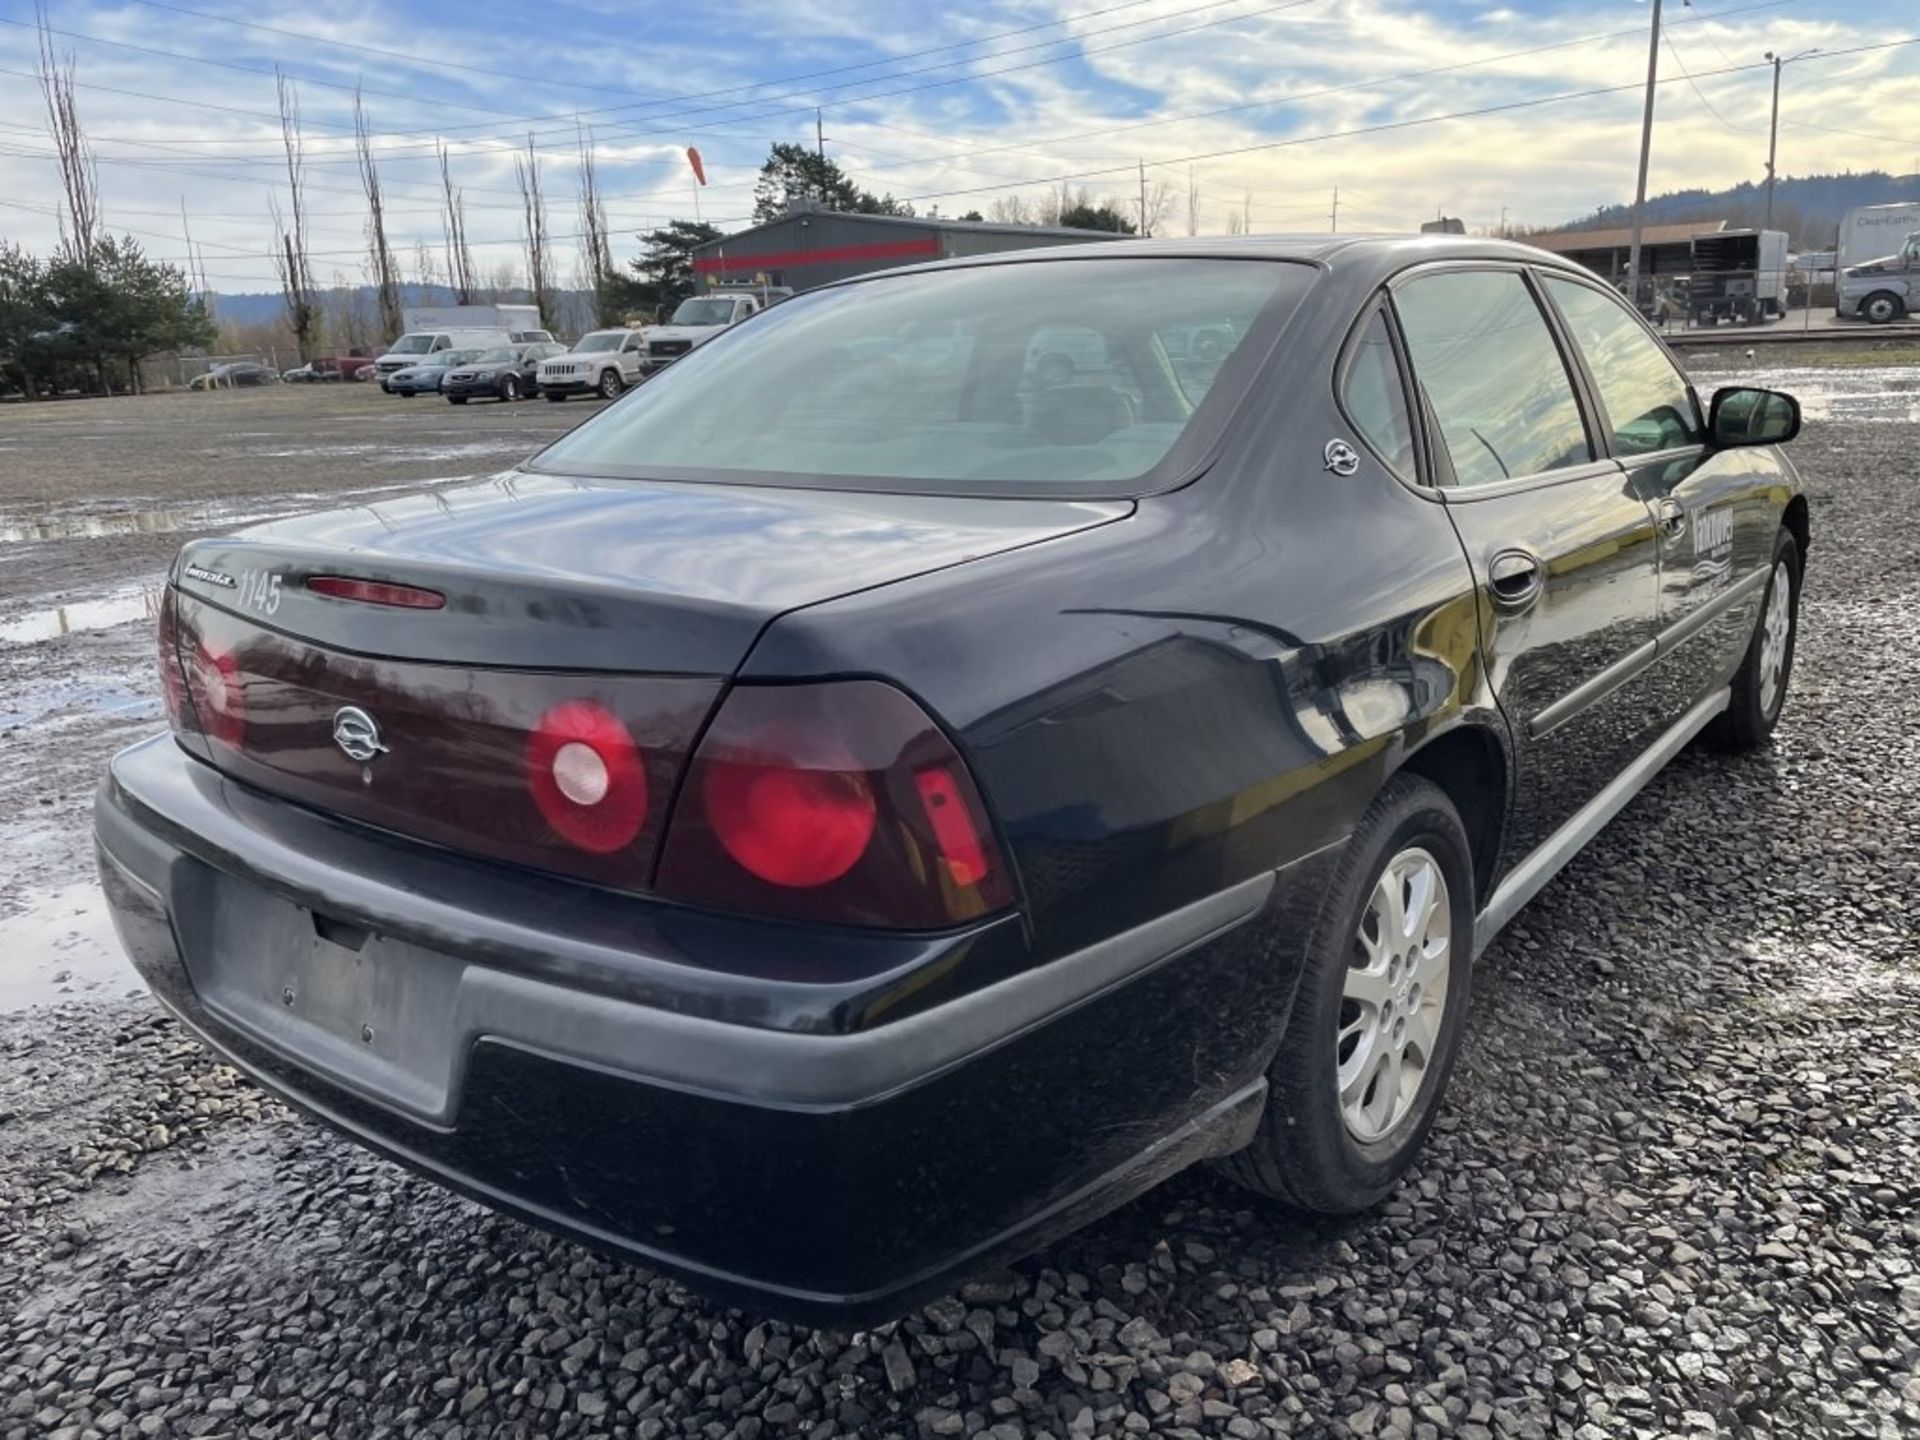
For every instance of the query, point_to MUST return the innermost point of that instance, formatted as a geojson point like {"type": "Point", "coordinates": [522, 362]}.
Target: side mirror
{"type": "Point", "coordinates": [1740, 416]}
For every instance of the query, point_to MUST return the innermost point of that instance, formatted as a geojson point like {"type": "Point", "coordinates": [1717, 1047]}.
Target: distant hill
{"type": "Point", "coordinates": [1808, 207]}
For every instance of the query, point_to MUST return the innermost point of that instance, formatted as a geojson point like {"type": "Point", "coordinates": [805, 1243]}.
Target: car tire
{"type": "Point", "coordinates": [610, 384]}
{"type": "Point", "coordinates": [1760, 684]}
{"type": "Point", "coordinates": [510, 389]}
{"type": "Point", "coordinates": [1317, 1148]}
{"type": "Point", "coordinates": [456, 399]}
{"type": "Point", "coordinates": [1883, 307]}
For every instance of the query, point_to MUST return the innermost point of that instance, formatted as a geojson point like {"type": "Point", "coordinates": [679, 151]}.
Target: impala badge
{"type": "Point", "coordinates": [1342, 458]}
{"type": "Point", "coordinates": [357, 733]}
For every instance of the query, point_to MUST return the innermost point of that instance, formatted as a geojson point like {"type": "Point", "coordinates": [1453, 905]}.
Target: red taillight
{"type": "Point", "coordinates": [587, 777]}
{"type": "Point", "coordinates": [214, 687]}
{"type": "Point", "coordinates": [790, 826]}
{"type": "Point", "coordinates": [376, 592]}
{"type": "Point", "coordinates": [837, 802]}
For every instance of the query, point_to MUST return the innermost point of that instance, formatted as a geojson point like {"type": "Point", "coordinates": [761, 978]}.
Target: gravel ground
{"type": "Point", "coordinates": [1676, 1190]}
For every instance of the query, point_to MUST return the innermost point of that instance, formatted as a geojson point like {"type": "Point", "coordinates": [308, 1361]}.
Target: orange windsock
{"type": "Point", "coordinates": [699, 170]}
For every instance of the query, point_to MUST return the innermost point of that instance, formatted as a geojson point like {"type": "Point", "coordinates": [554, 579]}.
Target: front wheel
{"type": "Point", "coordinates": [1882, 307]}
{"type": "Point", "coordinates": [610, 384]}
{"type": "Point", "coordinates": [1760, 684]}
{"type": "Point", "coordinates": [510, 388]}
{"type": "Point", "coordinates": [1376, 1022]}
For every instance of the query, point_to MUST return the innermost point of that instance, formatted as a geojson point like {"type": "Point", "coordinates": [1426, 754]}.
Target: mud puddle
{"type": "Point", "coordinates": [141, 602]}
{"type": "Point", "coordinates": [1865, 394]}
{"type": "Point", "coordinates": [62, 947]}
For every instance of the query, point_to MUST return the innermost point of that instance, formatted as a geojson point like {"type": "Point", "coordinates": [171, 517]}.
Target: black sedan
{"type": "Point", "coordinates": [870, 799]}
{"type": "Point", "coordinates": [510, 372]}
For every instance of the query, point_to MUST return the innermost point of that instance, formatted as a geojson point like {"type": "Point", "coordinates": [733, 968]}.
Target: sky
{"type": "Point", "coordinates": [1527, 113]}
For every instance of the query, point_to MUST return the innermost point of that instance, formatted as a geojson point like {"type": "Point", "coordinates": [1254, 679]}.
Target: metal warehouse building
{"type": "Point", "coordinates": [805, 248]}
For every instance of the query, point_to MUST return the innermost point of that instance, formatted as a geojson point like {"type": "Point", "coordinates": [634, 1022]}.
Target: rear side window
{"type": "Point", "coordinates": [1375, 399]}
{"type": "Point", "coordinates": [1058, 376]}
{"type": "Point", "coordinates": [1487, 363]}
{"type": "Point", "coordinates": [1648, 404]}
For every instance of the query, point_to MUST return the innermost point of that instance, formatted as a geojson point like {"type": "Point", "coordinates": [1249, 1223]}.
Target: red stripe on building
{"type": "Point", "coordinates": [836, 254]}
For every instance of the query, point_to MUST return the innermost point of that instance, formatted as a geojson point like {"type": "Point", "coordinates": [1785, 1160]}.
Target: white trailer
{"type": "Point", "coordinates": [511, 318]}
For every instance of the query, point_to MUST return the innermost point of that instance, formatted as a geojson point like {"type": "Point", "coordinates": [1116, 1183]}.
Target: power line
{"type": "Point", "coordinates": [422, 62]}
{"type": "Point", "coordinates": [1395, 125]}
{"type": "Point", "coordinates": [808, 99]}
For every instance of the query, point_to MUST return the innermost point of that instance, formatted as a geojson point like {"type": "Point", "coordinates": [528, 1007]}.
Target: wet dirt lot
{"type": "Point", "coordinates": [1676, 1192]}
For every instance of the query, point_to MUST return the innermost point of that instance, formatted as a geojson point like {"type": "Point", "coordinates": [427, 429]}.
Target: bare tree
{"type": "Point", "coordinates": [1193, 203]}
{"type": "Point", "coordinates": [454, 219]}
{"type": "Point", "coordinates": [533, 214]}
{"type": "Point", "coordinates": [1156, 206]}
{"type": "Point", "coordinates": [386, 274]}
{"type": "Point", "coordinates": [425, 265]}
{"type": "Point", "coordinates": [502, 282]}
{"type": "Point", "coordinates": [1236, 223]}
{"type": "Point", "coordinates": [1010, 210]}
{"type": "Point", "coordinates": [196, 266]}
{"type": "Point", "coordinates": [79, 178]}
{"type": "Point", "coordinates": [351, 317]}
{"type": "Point", "coordinates": [290, 227]}
{"type": "Point", "coordinates": [596, 251]}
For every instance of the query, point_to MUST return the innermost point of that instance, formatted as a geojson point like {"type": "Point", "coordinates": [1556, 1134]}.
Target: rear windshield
{"type": "Point", "coordinates": [1067, 376]}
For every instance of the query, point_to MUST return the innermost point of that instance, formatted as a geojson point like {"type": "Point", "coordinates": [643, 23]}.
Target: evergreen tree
{"type": "Point", "coordinates": [795, 175]}
{"type": "Point", "coordinates": [665, 266]}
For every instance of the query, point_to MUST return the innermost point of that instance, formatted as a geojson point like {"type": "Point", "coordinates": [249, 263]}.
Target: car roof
{"type": "Point", "coordinates": [1362, 257]}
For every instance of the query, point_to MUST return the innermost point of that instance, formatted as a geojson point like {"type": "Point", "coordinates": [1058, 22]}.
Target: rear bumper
{"type": "Point", "coordinates": [832, 1177]}
{"type": "Point", "coordinates": [483, 388]}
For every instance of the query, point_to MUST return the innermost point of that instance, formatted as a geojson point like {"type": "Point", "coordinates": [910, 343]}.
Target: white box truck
{"type": "Point", "coordinates": [432, 328]}
{"type": "Point", "coordinates": [1878, 276]}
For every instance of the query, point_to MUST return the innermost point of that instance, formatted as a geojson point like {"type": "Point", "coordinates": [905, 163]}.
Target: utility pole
{"type": "Point", "coordinates": [1646, 150]}
{"type": "Point", "coordinates": [1333, 216]}
{"type": "Point", "coordinates": [819, 134]}
{"type": "Point", "coordinates": [1143, 199]}
{"type": "Point", "coordinates": [1773, 126]}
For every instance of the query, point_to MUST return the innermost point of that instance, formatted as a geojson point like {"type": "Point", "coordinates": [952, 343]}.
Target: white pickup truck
{"type": "Point", "coordinates": [602, 362]}
{"type": "Point", "coordinates": [701, 317]}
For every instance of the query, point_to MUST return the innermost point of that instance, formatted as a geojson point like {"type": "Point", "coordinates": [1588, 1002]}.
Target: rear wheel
{"type": "Point", "coordinates": [1376, 1023]}
{"type": "Point", "coordinates": [510, 388]}
{"type": "Point", "coordinates": [610, 384]}
{"type": "Point", "coordinates": [1760, 685]}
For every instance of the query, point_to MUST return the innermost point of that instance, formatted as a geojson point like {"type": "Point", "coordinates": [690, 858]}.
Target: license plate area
{"type": "Point", "coordinates": [371, 1013]}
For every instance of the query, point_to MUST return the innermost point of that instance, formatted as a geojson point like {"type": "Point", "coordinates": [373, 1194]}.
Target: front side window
{"type": "Point", "coordinates": [1037, 375]}
{"type": "Point", "coordinates": [1486, 362]}
{"type": "Point", "coordinates": [1375, 399]}
{"type": "Point", "coordinates": [1647, 402]}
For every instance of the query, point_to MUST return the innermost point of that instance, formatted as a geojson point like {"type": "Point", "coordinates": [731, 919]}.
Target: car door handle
{"type": "Point", "coordinates": [1673, 518]}
{"type": "Point", "coordinates": [1515, 578]}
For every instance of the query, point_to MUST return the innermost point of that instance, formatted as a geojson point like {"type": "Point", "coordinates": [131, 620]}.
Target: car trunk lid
{"type": "Point", "coordinates": [509, 618]}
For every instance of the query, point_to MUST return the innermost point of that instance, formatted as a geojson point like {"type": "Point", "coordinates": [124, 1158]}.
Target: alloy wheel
{"type": "Point", "coordinates": [1394, 996]}
{"type": "Point", "coordinates": [1776, 629]}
